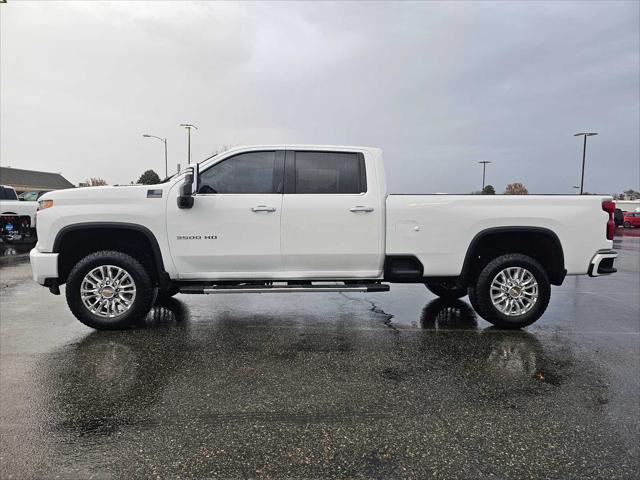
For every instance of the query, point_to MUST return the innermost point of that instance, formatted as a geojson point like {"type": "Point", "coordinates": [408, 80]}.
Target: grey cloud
{"type": "Point", "coordinates": [439, 86]}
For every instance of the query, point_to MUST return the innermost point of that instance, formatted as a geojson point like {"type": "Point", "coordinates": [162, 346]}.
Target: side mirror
{"type": "Point", "coordinates": [185, 199]}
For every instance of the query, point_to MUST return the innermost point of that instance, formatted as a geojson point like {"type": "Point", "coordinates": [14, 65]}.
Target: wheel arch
{"type": "Point", "coordinates": [113, 235]}
{"type": "Point", "coordinates": [540, 243]}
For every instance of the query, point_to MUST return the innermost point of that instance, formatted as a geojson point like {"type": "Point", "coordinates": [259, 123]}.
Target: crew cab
{"type": "Point", "coordinates": [17, 217]}
{"type": "Point", "coordinates": [267, 219]}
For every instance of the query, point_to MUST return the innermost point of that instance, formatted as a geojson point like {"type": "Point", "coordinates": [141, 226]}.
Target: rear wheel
{"type": "Point", "coordinates": [512, 291]}
{"type": "Point", "coordinates": [109, 290]}
{"type": "Point", "coordinates": [627, 224]}
{"type": "Point", "coordinates": [446, 291]}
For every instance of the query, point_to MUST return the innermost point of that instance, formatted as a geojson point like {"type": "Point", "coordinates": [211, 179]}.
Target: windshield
{"type": "Point", "coordinates": [7, 194]}
{"type": "Point", "coordinates": [28, 196]}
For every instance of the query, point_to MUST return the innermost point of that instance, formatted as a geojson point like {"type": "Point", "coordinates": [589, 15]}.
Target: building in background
{"type": "Point", "coordinates": [628, 205]}
{"type": "Point", "coordinates": [32, 180]}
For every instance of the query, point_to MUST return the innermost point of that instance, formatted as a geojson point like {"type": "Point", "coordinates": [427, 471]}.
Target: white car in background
{"type": "Point", "coordinates": [17, 217]}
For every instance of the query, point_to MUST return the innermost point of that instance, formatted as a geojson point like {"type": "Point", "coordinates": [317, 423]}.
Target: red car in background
{"type": "Point", "coordinates": [631, 219]}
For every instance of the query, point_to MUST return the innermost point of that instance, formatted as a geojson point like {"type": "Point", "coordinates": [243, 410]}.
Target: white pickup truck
{"type": "Point", "coordinates": [310, 219]}
{"type": "Point", "coordinates": [17, 217]}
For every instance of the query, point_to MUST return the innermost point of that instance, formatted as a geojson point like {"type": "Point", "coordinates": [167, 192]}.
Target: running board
{"type": "Point", "coordinates": [213, 289]}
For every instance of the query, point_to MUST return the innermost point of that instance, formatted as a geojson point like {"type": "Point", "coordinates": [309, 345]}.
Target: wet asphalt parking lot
{"type": "Point", "coordinates": [388, 385]}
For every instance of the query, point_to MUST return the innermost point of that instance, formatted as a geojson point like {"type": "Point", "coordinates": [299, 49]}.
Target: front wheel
{"type": "Point", "coordinates": [109, 290]}
{"type": "Point", "coordinates": [626, 224]}
{"type": "Point", "coordinates": [512, 291]}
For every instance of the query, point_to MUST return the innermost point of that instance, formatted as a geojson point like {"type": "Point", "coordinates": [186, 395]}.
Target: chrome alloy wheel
{"type": "Point", "coordinates": [108, 291]}
{"type": "Point", "coordinates": [514, 291]}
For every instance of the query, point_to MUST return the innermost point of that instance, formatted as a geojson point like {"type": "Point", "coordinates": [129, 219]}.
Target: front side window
{"type": "Point", "coordinates": [329, 172]}
{"type": "Point", "coordinates": [252, 172]}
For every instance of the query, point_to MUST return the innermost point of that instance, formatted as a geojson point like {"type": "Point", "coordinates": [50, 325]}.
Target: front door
{"type": "Point", "coordinates": [332, 216]}
{"type": "Point", "coordinates": [233, 229]}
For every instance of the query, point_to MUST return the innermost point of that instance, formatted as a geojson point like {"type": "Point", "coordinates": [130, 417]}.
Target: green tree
{"type": "Point", "coordinates": [516, 188]}
{"type": "Point", "coordinates": [149, 178]}
{"type": "Point", "coordinates": [489, 190]}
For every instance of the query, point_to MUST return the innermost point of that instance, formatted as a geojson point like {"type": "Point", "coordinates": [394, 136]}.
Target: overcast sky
{"type": "Point", "coordinates": [438, 86]}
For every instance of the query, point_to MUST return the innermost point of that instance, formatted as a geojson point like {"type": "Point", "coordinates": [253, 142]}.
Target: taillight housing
{"type": "Point", "coordinates": [609, 207]}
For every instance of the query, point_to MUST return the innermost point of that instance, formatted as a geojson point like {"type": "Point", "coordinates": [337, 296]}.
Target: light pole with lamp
{"type": "Point", "coordinates": [163, 140]}
{"type": "Point", "coordinates": [188, 126]}
{"type": "Point", "coordinates": [584, 154]}
{"type": "Point", "coordinates": [484, 167]}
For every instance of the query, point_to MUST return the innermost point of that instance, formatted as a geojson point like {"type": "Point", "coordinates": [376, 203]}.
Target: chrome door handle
{"type": "Point", "coordinates": [361, 208]}
{"type": "Point", "coordinates": [263, 208]}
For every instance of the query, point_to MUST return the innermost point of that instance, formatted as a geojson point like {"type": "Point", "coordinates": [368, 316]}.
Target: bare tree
{"type": "Point", "coordinates": [95, 182]}
{"type": "Point", "coordinates": [223, 148]}
{"type": "Point", "coordinates": [516, 188]}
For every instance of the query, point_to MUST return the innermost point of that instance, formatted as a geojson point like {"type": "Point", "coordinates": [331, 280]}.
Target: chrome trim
{"type": "Point", "coordinates": [361, 208]}
{"type": "Point", "coordinates": [285, 289]}
{"type": "Point", "coordinates": [263, 208]}
{"type": "Point", "coordinates": [597, 259]}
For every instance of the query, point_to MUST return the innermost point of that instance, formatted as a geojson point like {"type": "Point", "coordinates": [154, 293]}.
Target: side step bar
{"type": "Point", "coordinates": [214, 289]}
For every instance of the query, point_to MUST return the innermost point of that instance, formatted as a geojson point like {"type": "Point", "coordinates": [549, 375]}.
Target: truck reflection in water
{"type": "Point", "coordinates": [511, 357]}
{"type": "Point", "coordinates": [243, 374]}
{"type": "Point", "coordinates": [111, 378]}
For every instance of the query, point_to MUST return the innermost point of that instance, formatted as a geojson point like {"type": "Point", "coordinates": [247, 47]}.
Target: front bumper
{"type": "Point", "coordinates": [43, 266]}
{"type": "Point", "coordinates": [602, 263]}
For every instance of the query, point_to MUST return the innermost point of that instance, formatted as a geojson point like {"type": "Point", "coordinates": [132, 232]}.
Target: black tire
{"type": "Point", "coordinates": [169, 291]}
{"type": "Point", "coordinates": [446, 291]}
{"type": "Point", "coordinates": [626, 224]}
{"type": "Point", "coordinates": [145, 291]}
{"type": "Point", "coordinates": [480, 296]}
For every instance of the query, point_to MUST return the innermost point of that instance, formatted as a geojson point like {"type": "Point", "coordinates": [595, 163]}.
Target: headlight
{"type": "Point", "coordinates": [42, 204]}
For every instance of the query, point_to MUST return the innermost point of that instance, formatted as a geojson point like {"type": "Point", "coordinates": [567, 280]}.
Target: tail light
{"type": "Point", "coordinates": [609, 207]}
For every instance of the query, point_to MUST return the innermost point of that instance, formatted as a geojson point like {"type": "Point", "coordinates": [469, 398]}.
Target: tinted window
{"type": "Point", "coordinates": [252, 172]}
{"type": "Point", "coordinates": [329, 172]}
{"type": "Point", "coordinates": [7, 194]}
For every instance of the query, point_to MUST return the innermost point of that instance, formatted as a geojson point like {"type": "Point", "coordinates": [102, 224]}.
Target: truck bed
{"type": "Point", "coordinates": [438, 229]}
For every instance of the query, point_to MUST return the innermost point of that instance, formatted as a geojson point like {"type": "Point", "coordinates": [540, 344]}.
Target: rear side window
{"type": "Point", "coordinates": [252, 172]}
{"type": "Point", "coordinates": [7, 194]}
{"type": "Point", "coordinates": [329, 172]}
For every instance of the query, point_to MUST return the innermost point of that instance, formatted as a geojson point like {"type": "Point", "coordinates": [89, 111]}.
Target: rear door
{"type": "Point", "coordinates": [233, 229]}
{"type": "Point", "coordinates": [332, 224]}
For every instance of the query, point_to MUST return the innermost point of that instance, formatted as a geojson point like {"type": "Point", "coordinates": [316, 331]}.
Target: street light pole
{"type": "Point", "coordinates": [188, 126]}
{"type": "Point", "coordinates": [163, 140]}
{"type": "Point", "coordinates": [484, 167]}
{"type": "Point", "coordinates": [584, 155]}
